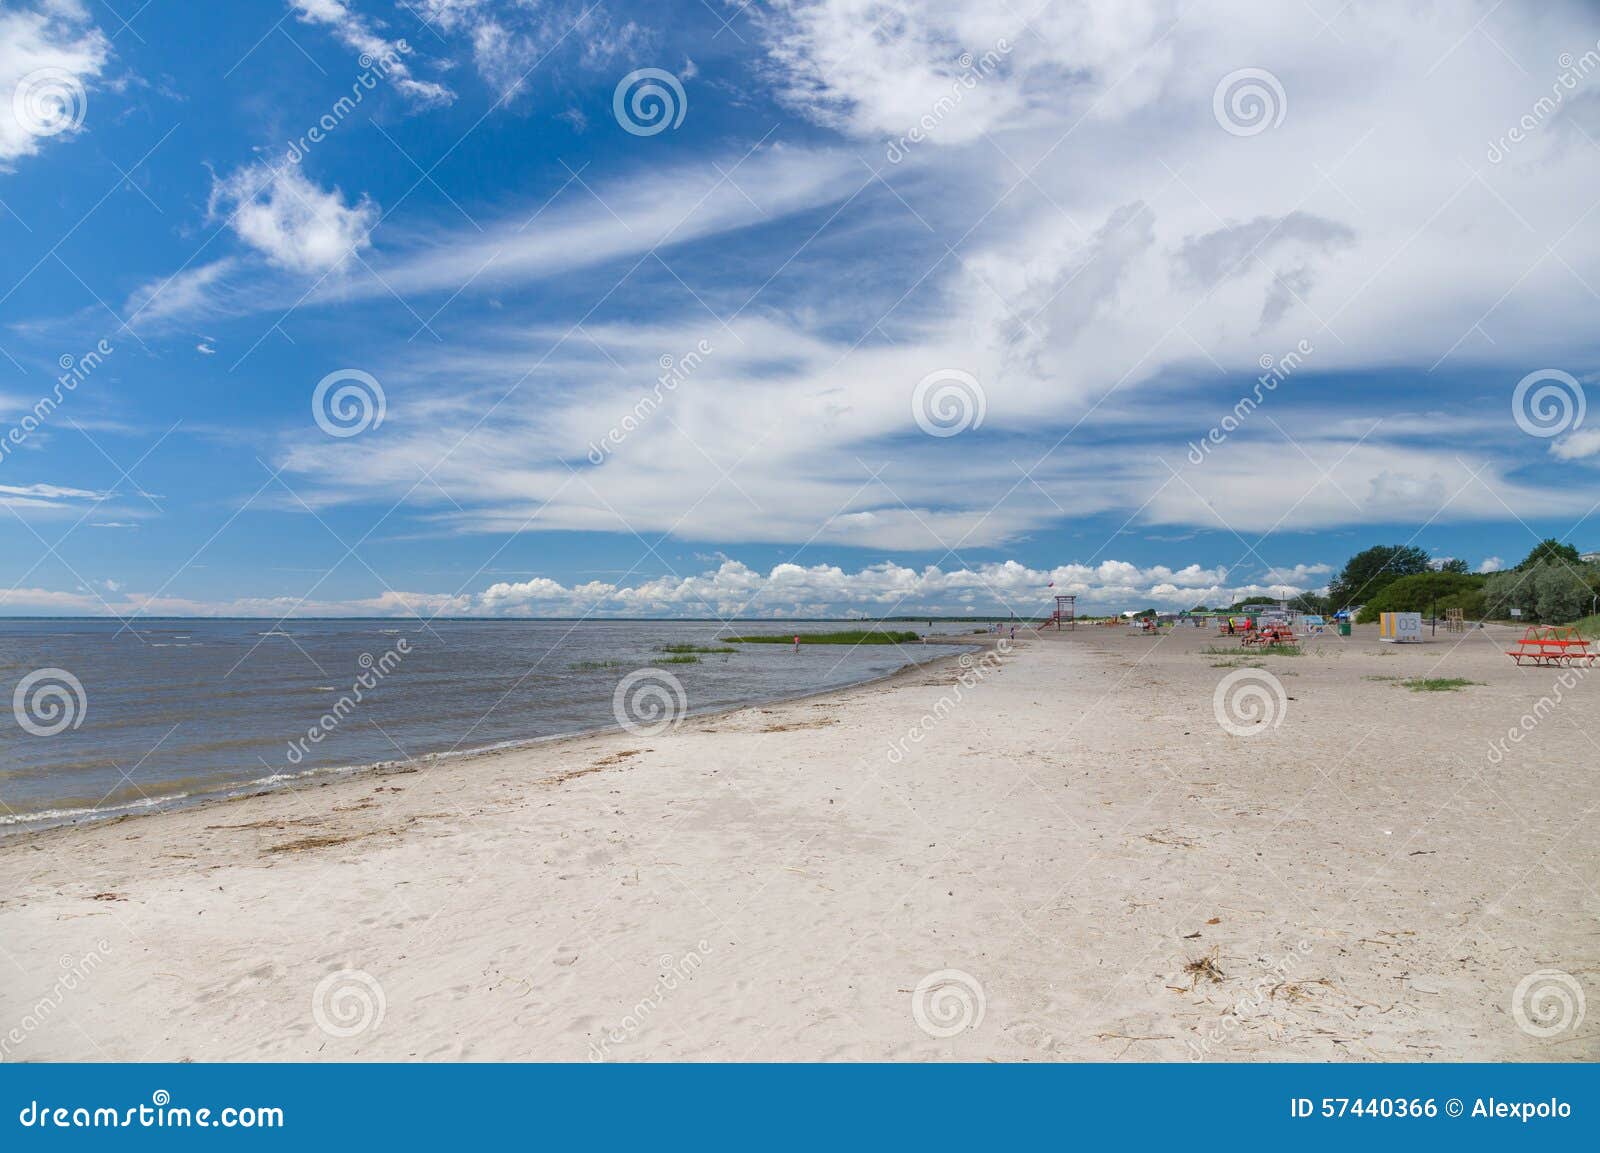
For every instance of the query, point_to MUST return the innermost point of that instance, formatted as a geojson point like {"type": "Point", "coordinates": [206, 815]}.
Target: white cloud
{"type": "Point", "coordinates": [735, 589]}
{"type": "Point", "coordinates": [294, 223]}
{"type": "Point", "coordinates": [189, 292]}
{"type": "Point", "coordinates": [1577, 445]}
{"type": "Point", "coordinates": [355, 31]}
{"type": "Point", "coordinates": [49, 55]}
{"type": "Point", "coordinates": [1491, 564]}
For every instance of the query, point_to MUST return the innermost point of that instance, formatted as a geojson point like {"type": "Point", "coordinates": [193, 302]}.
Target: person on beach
{"type": "Point", "coordinates": [797, 642]}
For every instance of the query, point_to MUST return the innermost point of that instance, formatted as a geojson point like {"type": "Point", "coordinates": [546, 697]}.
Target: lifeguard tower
{"type": "Point", "coordinates": [1065, 614]}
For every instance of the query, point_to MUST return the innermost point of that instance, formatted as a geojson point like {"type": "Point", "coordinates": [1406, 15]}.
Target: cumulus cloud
{"type": "Point", "coordinates": [1491, 564]}
{"type": "Point", "coordinates": [734, 589]}
{"type": "Point", "coordinates": [294, 223]}
{"type": "Point", "coordinates": [49, 55]}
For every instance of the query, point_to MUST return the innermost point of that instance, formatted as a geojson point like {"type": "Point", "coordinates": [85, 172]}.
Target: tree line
{"type": "Point", "coordinates": [1551, 585]}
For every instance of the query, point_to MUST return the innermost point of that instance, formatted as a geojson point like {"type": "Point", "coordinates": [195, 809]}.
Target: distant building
{"type": "Point", "coordinates": [1589, 557]}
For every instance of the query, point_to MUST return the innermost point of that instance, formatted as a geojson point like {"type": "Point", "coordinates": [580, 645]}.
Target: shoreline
{"type": "Point", "coordinates": [1072, 856]}
{"type": "Point", "coordinates": [22, 829]}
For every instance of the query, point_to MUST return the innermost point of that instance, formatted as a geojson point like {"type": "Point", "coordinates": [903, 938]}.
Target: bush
{"type": "Point", "coordinates": [1423, 592]}
{"type": "Point", "coordinates": [1550, 592]}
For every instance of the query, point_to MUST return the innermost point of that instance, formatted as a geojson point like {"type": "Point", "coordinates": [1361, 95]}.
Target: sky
{"type": "Point", "coordinates": [817, 307]}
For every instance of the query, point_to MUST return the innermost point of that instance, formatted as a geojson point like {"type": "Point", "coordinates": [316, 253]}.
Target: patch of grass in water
{"type": "Point", "coordinates": [847, 637]}
{"type": "Point", "coordinates": [585, 666]}
{"type": "Point", "coordinates": [1437, 684]}
{"type": "Point", "coordinates": [689, 648]}
{"type": "Point", "coordinates": [681, 659]}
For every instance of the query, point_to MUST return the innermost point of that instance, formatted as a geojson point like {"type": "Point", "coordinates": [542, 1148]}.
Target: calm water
{"type": "Point", "coordinates": [178, 711]}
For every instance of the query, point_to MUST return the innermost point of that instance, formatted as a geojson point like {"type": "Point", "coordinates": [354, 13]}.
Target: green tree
{"type": "Point", "coordinates": [1368, 572]}
{"type": "Point", "coordinates": [1553, 551]}
{"type": "Point", "coordinates": [1427, 592]}
{"type": "Point", "coordinates": [1454, 564]}
{"type": "Point", "coordinates": [1561, 594]}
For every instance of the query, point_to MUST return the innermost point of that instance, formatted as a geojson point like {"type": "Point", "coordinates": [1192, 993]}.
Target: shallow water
{"type": "Point", "coordinates": [178, 711]}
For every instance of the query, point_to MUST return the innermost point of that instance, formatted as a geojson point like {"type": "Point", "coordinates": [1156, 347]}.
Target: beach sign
{"type": "Point", "coordinates": [1401, 628]}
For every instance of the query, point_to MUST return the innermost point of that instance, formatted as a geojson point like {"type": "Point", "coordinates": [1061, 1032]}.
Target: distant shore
{"type": "Point", "coordinates": [1053, 852]}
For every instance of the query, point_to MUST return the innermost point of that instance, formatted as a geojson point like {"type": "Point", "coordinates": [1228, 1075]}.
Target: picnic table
{"type": "Point", "coordinates": [1552, 645]}
{"type": "Point", "coordinates": [1270, 635]}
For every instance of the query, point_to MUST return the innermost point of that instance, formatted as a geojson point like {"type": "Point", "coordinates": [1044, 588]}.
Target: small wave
{"type": "Point", "coordinates": [46, 816]}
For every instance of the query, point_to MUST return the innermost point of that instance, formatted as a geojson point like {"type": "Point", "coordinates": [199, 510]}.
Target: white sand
{"type": "Point", "coordinates": [1366, 883]}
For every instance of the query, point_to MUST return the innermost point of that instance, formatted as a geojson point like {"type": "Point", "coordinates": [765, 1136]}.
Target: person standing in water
{"type": "Point", "coordinates": [797, 642]}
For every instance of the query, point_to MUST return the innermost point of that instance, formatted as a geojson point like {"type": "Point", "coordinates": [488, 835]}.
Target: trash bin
{"type": "Point", "coordinates": [1344, 628]}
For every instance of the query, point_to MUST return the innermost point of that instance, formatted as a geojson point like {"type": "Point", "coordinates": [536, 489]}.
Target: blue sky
{"type": "Point", "coordinates": [951, 297]}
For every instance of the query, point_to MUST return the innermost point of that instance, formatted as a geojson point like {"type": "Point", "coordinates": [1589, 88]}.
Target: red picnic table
{"type": "Point", "coordinates": [1547, 645]}
{"type": "Point", "coordinates": [1270, 635]}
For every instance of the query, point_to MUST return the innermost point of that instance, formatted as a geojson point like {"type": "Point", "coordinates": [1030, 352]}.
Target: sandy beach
{"type": "Point", "coordinates": [1055, 853]}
